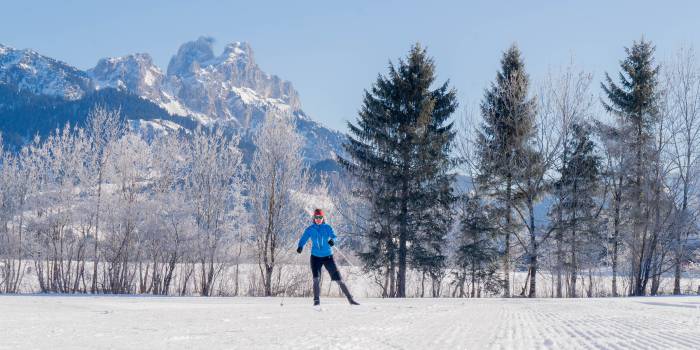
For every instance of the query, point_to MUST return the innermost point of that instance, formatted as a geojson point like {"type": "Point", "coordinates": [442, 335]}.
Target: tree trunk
{"type": "Point", "coordinates": [533, 253]}
{"type": "Point", "coordinates": [679, 251]}
{"type": "Point", "coordinates": [574, 267]}
{"type": "Point", "coordinates": [392, 280]}
{"type": "Point", "coordinates": [560, 261]}
{"type": "Point", "coordinates": [527, 279]}
{"type": "Point", "coordinates": [637, 212]}
{"type": "Point", "coordinates": [506, 253]}
{"type": "Point", "coordinates": [473, 292]}
{"type": "Point", "coordinates": [96, 257]}
{"type": "Point", "coordinates": [677, 277]}
{"type": "Point", "coordinates": [616, 240]}
{"type": "Point", "coordinates": [403, 228]}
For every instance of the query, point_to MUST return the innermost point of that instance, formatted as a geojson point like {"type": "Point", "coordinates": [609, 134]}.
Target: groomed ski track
{"type": "Point", "coordinates": [135, 322]}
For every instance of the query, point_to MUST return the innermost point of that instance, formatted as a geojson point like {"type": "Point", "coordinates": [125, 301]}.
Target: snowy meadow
{"type": "Point", "coordinates": [129, 322]}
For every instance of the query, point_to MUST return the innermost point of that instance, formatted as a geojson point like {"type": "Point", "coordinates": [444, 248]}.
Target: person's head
{"type": "Point", "coordinates": [318, 216]}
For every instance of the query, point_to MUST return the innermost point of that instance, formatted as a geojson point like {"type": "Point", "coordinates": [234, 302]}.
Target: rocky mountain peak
{"type": "Point", "coordinates": [190, 56]}
{"type": "Point", "coordinates": [230, 86]}
{"type": "Point", "coordinates": [238, 52]}
{"type": "Point", "coordinates": [135, 73]}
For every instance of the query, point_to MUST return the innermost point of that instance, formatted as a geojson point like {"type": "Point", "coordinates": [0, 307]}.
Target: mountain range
{"type": "Point", "coordinates": [39, 93]}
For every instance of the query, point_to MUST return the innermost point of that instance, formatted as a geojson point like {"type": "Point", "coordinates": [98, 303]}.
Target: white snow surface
{"type": "Point", "coordinates": [134, 322]}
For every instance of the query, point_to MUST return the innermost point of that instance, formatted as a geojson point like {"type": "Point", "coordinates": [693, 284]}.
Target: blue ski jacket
{"type": "Point", "coordinates": [319, 236]}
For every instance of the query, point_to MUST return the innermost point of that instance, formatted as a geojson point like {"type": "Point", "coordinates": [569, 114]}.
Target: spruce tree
{"type": "Point", "coordinates": [578, 183]}
{"type": "Point", "coordinates": [508, 113]}
{"type": "Point", "coordinates": [635, 104]}
{"type": "Point", "coordinates": [400, 148]}
{"type": "Point", "coordinates": [477, 253]}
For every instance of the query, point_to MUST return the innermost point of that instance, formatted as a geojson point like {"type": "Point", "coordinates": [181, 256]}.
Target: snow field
{"type": "Point", "coordinates": [113, 322]}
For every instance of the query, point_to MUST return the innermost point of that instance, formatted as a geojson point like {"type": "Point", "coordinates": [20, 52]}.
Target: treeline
{"type": "Point", "coordinates": [101, 210]}
{"type": "Point", "coordinates": [563, 187]}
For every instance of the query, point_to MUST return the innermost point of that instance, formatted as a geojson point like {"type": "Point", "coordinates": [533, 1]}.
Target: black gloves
{"type": "Point", "coordinates": [330, 243]}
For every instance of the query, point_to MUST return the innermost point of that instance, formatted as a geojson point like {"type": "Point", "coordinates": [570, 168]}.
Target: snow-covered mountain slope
{"type": "Point", "coordinates": [29, 71]}
{"type": "Point", "coordinates": [229, 89]}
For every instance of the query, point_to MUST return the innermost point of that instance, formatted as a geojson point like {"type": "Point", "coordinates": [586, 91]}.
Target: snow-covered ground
{"type": "Point", "coordinates": [113, 322]}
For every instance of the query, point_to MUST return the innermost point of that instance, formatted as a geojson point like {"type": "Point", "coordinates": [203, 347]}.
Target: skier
{"type": "Point", "coordinates": [322, 240]}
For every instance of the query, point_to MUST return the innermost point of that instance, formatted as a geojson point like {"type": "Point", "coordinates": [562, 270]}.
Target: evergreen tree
{"type": "Point", "coordinates": [477, 253]}
{"type": "Point", "coordinates": [575, 209]}
{"type": "Point", "coordinates": [531, 185]}
{"type": "Point", "coordinates": [635, 104]}
{"type": "Point", "coordinates": [400, 147]}
{"type": "Point", "coordinates": [508, 114]}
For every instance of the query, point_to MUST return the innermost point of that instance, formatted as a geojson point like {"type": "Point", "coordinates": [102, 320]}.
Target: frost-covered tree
{"type": "Point", "coordinates": [531, 183]}
{"type": "Point", "coordinates": [133, 212]}
{"type": "Point", "coordinates": [682, 85]}
{"type": "Point", "coordinates": [169, 226]}
{"type": "Point", "coordinates": [613, 176]}
{"type": "Point", "coordinates": [59, 247]}
{"type": "Point", "coordinates": [278, 177]}
{"type": "Point", "coordinates": [103, 128]}
{"type": "Point", "coordinates": [214, 190]}
{"type": "Point", "coordinates": [126, 203]}
{"type": "Point", "coordinates": [17, 184]}
{"type": "Point", "coordinates": [634, 101]}
{"type": "Point", "coordinates": [508, 124]}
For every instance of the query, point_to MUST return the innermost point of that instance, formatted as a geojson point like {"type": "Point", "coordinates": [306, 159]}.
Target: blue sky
{"type": "Point", "coordinates": [332, 50]}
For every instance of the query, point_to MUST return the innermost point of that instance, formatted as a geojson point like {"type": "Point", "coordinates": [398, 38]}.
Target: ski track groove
{"type": "Point", "coordinates": [590, 332]}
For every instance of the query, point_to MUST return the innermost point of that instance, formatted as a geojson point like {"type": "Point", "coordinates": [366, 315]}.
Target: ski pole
{"type": "Point", "coordinates": [290, 284]}
{"type": "Point", "coordinates": [345, 257]}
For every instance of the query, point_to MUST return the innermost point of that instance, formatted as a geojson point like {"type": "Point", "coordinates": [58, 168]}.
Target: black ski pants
{"type": "Point", "coordinates": [318, 262]}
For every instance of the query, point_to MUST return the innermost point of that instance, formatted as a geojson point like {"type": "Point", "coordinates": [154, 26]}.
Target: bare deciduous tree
{"type": "Point", "coordinates": [213, 186]}
{"type": "Point", "coordinates": [17, 182]}
{"type": "Point", "coordinates": [104, 127]}
{"type": "Point", "coordinates": [682, 80]}
{"type": "Point", "coordinates": [277, 175]}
